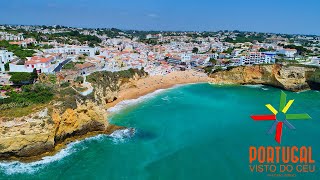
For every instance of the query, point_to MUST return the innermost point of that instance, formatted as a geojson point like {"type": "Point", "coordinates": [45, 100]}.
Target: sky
{"type": "Point", "coordinates": [279, 16]}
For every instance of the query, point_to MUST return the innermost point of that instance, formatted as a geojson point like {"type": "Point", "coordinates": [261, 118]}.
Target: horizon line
{"type": "Point", "coordinates": [152, 30]}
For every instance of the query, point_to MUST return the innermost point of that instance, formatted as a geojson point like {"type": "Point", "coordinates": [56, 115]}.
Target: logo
{"type": "Point", "coordinates": [280, 117]}
{"type": "Point", "coordinates": [283, 161]}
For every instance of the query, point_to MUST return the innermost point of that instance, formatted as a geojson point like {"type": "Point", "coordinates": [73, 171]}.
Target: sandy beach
{"type": "Point", "coordinates": [152, 83]}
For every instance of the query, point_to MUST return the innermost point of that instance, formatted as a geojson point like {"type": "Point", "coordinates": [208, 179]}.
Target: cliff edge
{"type": "Point", "coordinates": [288, 77]}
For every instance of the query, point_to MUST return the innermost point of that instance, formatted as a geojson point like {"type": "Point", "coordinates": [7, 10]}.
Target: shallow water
{"type": "Point", "coordinates": [188, 132]}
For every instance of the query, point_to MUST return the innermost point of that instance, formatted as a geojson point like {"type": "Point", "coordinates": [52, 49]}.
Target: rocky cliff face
{"type": "Point", "coordinates": [40, 132]}
{"type": "Point", "coordinates": [107, 84]}
{"type": "Point", "coordinates": [66, 118]}
{"type": "Point", "coordinates": [293, 78]}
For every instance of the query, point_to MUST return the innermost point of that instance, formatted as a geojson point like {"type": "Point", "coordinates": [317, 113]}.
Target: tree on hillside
{"type": "Point", "coordinates": [195, 50]}
{"type": "Point", "coordinates": [213, 61]}
{"type": "Point", "coordinates": [34, 74]}
{"type": "Point", "coordinates": [6, 66]}
{"type": "Point", "coordinates": [21, 77]}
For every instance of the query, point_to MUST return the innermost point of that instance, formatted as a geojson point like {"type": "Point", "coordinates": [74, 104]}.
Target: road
{"type": "Point", "coordinates": [59, 67]}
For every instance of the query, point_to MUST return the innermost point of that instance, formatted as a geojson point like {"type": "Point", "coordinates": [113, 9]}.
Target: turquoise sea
{"type": "Point", "coordinates": [197, 131]}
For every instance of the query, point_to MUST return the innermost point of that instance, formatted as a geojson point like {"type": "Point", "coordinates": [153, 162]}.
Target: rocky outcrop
{"type": "Point", "coordinates": [107, 84]}
{"type": "Point", "coordinates": [70, 116]}
{"type": "Point", "coordinates": [87, 117]}
{"type": "Point", "coordinates": [289, 77]}
{"type": "Point", "coordinates": [40, 132]}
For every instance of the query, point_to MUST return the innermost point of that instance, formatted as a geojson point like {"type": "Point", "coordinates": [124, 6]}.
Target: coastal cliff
{"type": "Point", "coordinates": [289, 77]}
{"type": "Point", "coordinates": [68, 117]}
{"type": "Point", "coordinates": [42, 131]}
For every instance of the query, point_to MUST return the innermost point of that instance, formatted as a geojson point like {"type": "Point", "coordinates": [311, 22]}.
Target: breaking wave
{"type": "Point", "coordinates": [127, 103]}
{"type": "Point", "coordinates": [254, 85]}
{"type": "Point", "coordinates": [17, 167]}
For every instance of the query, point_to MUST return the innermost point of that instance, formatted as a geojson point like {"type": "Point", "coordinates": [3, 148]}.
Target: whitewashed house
{"type": "Point", "coordinates": [5, 56]}
{"type": "Point", "coordinates": [290, 53]}
{"type": "Point", "coordinates": [74, 50]}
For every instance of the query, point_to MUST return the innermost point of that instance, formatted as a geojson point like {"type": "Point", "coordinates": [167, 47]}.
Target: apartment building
{"type": "Point", "coordinates": [5, 56]}
{"type": "Point", "coordinates": [257, 58]}
{"type": "Point", "coordinates": [74, 50]}
{"type": "Point", "coordinates": [290, 53]}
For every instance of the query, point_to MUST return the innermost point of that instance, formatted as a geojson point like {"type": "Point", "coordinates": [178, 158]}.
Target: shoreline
{"type": "Point", "coordinates": [133, 90]}
{"type": "Point", "coordinates": [150, 84]}
{"type": "Point", "coordinates": [136, 89]}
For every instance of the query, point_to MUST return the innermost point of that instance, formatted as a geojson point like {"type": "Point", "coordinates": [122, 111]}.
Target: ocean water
{"type": "Point", "coordinates": [187, 132]}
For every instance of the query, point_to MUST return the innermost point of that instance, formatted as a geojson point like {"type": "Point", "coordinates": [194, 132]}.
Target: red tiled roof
{"type": "Point", "coordinates": [36, 60]}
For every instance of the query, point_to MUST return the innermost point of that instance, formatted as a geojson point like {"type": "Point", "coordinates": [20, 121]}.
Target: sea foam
{"type": "Point", "coordinates": [254, 85]}
{"type": "Point", "coordinates": [122, 135]}
{"type": "Point", "coordinates": [17, 167]}
{"type": "Point", "coordinates": [127, 103]}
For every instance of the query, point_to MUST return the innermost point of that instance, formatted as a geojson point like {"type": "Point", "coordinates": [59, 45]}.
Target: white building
{"type": "Point", "coordinates": [186, 57]}
{"type": "Point", "coordinates": [5, 56]}
{"type": "Point", "coordinates": [74, 50]}
{"type": "Point", "coordinates": [258, 58]}
{"type": "Point", "coordinates": [11, 37]}
{"type": "Point", "coordinates": [41, 64]}
{"type": "Point", "coordinates": [290, 53]}
{"type": "Point", "coordinates": [316, 61]}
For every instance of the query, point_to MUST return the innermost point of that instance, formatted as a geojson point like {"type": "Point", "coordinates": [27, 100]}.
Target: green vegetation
{"type": "Point", "coordinates": [265, 50]}
{"type": "Point", "coordinates": [111, 33]}
{"type": "Point", "coordinates": [19, 78]}
{"type": "Point", "coordinates": [46, 46]}
{"type": "Point", "coordinates": [231, 67]}
{"type": "Point", "coordinates": [280, 61]}
{"type": "Point", "coordinates": [302, 65]}
{"type": "Point", "coordinates": [213, 61]}
{"type": "Point", "coordinates": [300, 49]}
{"type": "Point", "coordinates": [52, 78]}
{"type": "Point", "coordinates": [110, 79]}
{"type": "Point", "coordinates": [91, 40]}
{"type": "Point", "coordinates": [6, 66]}
{"type": "Point", "coordinates": [149, 41]}
{"type": "Point", "coordinates": [30, 94]}
{"type": "Point", "coordinates": [228, 51]}
{"type": "Point", "coordinates": [195, 50]}
{"type": "Point", "coordinates": [79, 79]}
{"type": "Point", "coordinates": [65, 84]}
{"type": "Point", "coordinates": [242, 38]}
{"type": "Point", "coordinates": [208, 69]}
{"type": "Point", "coordinates": [22, 53]}
{"type": "Point", "coordinates": [217, 69]}
{"type": "Point", "coordinates": [5, 88]}
{"type": "Point", "coordinates": [69, 66]}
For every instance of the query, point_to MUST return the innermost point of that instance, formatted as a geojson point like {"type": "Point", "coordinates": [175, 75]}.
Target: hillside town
{"type": "Point", "coordinates": [72, 53]}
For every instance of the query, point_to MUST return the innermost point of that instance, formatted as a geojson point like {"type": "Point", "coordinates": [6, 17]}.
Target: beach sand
{"type": "Point", "coordinates": [152, 83]}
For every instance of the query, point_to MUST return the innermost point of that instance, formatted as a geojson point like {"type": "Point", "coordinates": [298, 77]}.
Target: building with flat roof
{"type": "Point", "coordinates": [5, 57]}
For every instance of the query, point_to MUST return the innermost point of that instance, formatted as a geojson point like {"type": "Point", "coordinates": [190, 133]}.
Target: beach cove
{"type": "Point", "coordinates": [189, 127]}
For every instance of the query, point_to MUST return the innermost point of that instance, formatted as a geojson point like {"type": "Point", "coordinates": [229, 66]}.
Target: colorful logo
{"type": "Point", "coordinates": [280, 117]}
